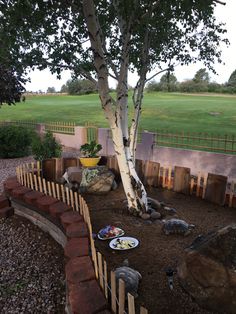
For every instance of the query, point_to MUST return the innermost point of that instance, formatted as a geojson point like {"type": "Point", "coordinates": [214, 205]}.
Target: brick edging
{"type": "Point", "coordinates": [67, 227]}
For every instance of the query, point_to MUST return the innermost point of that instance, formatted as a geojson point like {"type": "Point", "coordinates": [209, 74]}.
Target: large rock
{"type": "Point", "coordinates": [208, 270]}
{"type": "Point", "coordinates": [96, 180]}
{"type": "Point", "coordinates": [74, 174]}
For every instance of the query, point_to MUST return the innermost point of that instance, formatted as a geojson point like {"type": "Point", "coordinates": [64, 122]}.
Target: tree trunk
{"type": "Point", "coordinates": [116, 112]}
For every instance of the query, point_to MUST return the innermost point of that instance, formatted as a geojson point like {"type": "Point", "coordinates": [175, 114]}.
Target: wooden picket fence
{"type": "Point", "coordinates": [60, 127]}
{"type": "Point", "coordinates": [29, 175]}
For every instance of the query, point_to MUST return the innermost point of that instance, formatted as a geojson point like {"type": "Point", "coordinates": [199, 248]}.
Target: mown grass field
{"type": "Point", "coordinates": [173, 112]}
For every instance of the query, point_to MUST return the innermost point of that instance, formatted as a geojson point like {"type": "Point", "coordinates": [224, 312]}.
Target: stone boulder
{"type": "Point", "coordinates": [208, 270]}
{"type": "Point", "coordinates": [97, 180]}
{"type": "Point", "coordinates": [74, 174]}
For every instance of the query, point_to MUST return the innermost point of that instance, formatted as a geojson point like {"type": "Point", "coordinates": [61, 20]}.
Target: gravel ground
{"type": "Point", "coordinates": [31, 262]}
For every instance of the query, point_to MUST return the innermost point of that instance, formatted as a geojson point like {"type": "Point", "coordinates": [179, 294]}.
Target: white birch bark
{"type": "Point", "coordinates": [116, 111]}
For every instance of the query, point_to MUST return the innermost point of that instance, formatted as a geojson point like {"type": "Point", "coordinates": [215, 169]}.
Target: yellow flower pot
{"type": "Point", "coordinates": [89, 162]}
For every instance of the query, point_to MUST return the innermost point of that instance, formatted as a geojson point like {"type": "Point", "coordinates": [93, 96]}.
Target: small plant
{"type": "Point", "coordinates": [90, 149]}
{"type": "Point", "coordinates": [46, 147]}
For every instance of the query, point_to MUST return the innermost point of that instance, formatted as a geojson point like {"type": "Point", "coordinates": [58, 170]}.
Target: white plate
{"type": "Point", "coordinates": [109, 238]}
{"type": "Point", "coordinates": [113, 242]}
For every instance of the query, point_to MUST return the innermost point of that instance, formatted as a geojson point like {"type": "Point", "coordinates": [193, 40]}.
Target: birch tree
{"type": "Point", "coordinates": [98, 40]}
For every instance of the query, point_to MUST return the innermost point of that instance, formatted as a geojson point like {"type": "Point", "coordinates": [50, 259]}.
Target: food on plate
{"type": "Point", "coordinates": [110, 232]}
{"type": "Point", "coordinates": [123, 244]}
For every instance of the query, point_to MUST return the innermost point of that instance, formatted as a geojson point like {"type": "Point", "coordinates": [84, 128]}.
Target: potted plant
{"type": "Point", "coordinates": [89, 152]}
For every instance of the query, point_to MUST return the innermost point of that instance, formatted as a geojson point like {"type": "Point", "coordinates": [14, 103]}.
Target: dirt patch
{"type": "Point", "coordinates": [156, 251]}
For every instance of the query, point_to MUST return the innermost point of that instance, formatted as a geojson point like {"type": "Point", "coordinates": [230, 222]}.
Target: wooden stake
{"type": "Point", "coordinates": [131, 306]}
{"type": "Point", "coordinates": [63, 193]}
{"type": "Point", "coordinates": [143, 310]}
{"type": "Point", "coordinates": [40, 185]}
{"type": "Point", "coordinates": [113, 292]}
{"type": "Point", "coordinates": [76, 201]}
{"type": "Point", "coordinates": [36, 183]}
{"type": "Point", "coordinates": [44, 186]}
{"type": "Point", "coordinates": [105, 279]}
{"type": "Point", "coordinates": [231, 194]}
{"type": "Point", "coordinates": [198, 184]}
{"type": "Point", "coordinates": [31, 180]}
{"type": "Point", "coordinates": [204, 185]}
{"type": "Point", "coordinates": [169, 177]}
{"type": "Point", "coordinates": [72, 199]}
{"type": "Point", "coordinates": [58, 191]}
{"type": "Point", "coordinates": [67, 196]}
{"type": "Point", "coordinates": [121, 296]}
{"type": "Point", "coordinates": [49, 188]}
{"type": "Point", "coordinates": [100, 270]}
{"type": "Point", "coordinates": [53, 190]}
{"type": "Point", "coordinates": [192, 184]}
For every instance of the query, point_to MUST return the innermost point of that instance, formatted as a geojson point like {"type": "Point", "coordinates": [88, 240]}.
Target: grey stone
{"type": "Point", "coordinates": [96, 180]}
{"type": "Point", "coordinates": [74, 174]}
{"type": "Point", "coordinates": [131, 278]}
{"type": "Point", "coordinates": [154, 203]}
{"type": "Point", "coordinates": [207, 270]}
{"type": "Point", "coordinates": [155, 215]}
{"type": "Point", "coordinates": [145, 216]}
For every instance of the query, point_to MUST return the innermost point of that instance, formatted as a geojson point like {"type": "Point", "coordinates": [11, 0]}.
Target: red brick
{"type": "Point", "coordinates": [70, 217]}
{"type": "Point", "coordinates": [20, 192]}
{"type": "Point", "coordinates": [44, 202]}
{"type": "Point", "coordinates": [79, 269]}
{"type": "Point", "coordinates": [87, 298]}
{"type": "Point", "coordinates": [76, 247]}
{"type": "Point", "coordinates": [11, 185]}
{"type": "Point", "coordinates": [32, 197]}
{"type": "Point", "coordinates": [77, 230]}
{"type": "Point", "coordinates": [6, 212]}
{"type": "Point", "coordinates": [4, 201]}
{"type": "Point", "coordinates": [57, 209]}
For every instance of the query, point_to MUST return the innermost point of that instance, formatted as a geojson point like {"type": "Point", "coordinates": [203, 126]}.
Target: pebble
{"type": "Point", "coordinates": [145, 216]}
{"type": "Point", "coordinates": [32, 278]}
{"type": "Point", "coordinates": [155, 215]}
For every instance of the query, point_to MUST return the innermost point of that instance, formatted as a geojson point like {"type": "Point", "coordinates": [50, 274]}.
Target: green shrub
{"type": "Point", "coordinates": [15, 141]}
{"type": "Point", "coordinates": [46, 147]}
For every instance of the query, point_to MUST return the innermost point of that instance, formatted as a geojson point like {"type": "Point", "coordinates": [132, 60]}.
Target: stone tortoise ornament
{"type": "Point", "coordinates": [177, 226]}
{"type": "Point", "coordinates": [130, 276]}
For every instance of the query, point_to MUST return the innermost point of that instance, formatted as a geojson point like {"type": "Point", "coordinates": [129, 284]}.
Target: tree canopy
{"type": "Point", "coordinates": [78, 87]}
{"type": "Point", "coordinates": [232, 79]}
{"type": "Point", "coordinates": [11, 88]}
{"type": "Point", "coordinates": [102, 39]}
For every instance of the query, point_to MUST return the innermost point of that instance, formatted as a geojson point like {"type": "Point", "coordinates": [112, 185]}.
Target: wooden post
{"type": "Point", "coordinates": [113, 292]}
{"type": "Point", "coordinates": [100, 270]}
{"type": "Point", "coordinates": [204, 185]}
{"type": "Point", "coordinates": [76, 201]}
{"type": "Point", "coordinates": [192, 184]}
{"type": "Point", "coordinates": [49, 188]}
{"type": "Point", "coordinates": [105, 279]}
{"type": "Point", "coordinates": [231, 194]}
{"type": "Point", "coordinates": [143, 310]}
{"type": "Point", "coordinates": [53, 189]}
{"type": "Point", "coordinates": [131, 306]}
{"type": "Point", "coordinates": [198, 184]}
{"type": "Point", "coordinates": [36, 183]}
{"type": "Point", "coordinates": [169, 177]}
{"type": "Point", "coordinates": [58, 191]}
{"type": "Point", "coordinates": [40, 185]}
{"type": "Point", "coordinates": [67, 196]}
{"type": "Point", "coordinates": [121, 302]}
{"type": "Point", "coordinates": [44, 186]}
{"type": "Point", "coordinates": [31, 181]}
{"type": "Point", "coordinates": [63, 193]}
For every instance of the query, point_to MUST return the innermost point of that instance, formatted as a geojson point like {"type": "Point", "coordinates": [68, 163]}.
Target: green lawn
{"type": "Point", "coordinates": [173, 112]}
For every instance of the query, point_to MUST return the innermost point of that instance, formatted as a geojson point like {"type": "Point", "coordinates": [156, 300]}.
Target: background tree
{"type": "Point", "coordinates": [202, 76]}
{"type": "Point", "coordinates": [102, 39]}
{"type": "Point", "coordinates": [51, 90]}
{"type": "Point", "coordinates": [232, 80]}
{"type": "Point", "coordinates": [80, 87]}
{"type": "Point", "coordinates": [11, 88]}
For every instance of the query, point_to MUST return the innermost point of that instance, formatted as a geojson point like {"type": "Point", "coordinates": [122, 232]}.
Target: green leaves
{"type": "Point", "coordinates": [90, 149]}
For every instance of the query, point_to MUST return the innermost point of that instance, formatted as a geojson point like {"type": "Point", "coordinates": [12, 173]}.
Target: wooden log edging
{"type": "Point", "coordinates": [83, 292]}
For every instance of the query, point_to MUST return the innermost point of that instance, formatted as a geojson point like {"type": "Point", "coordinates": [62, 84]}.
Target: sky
{"type": "Point", "coordinates": [41, 80]}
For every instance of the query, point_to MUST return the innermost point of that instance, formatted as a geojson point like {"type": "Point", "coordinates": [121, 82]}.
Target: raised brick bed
{"type": "Point", "coordinates": [84, 293]}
